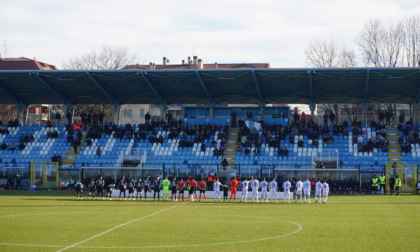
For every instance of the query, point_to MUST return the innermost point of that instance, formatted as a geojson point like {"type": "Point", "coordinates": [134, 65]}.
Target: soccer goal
{"type": "Point", "coordinates": [44, 174]}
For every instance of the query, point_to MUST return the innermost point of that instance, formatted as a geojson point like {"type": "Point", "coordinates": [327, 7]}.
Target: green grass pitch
{"type": "Point", "coordinates": [57, 221]}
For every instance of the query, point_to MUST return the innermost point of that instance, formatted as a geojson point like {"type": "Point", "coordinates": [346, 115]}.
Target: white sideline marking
{"type": "Point", "coordinates": [24, 215]}
{"type": "Point", "coordinates": [121, 225]}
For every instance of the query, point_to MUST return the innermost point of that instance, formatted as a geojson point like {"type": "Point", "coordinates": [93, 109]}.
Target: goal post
{"type": "Point", "coordinates": [44, 174]}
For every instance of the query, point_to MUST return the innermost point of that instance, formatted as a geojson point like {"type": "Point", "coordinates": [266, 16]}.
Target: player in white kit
{"type": "Point", "coordinates": [307, 191]}
{"type": "Point", "coordinates": [318, 189]}
{"type": "Point", "coordinates": [299, 188]}
{"type": "Point", "coordinates": [255, 185]}
{"type": "Point", "coordinates": [286, 187]}
{"type": "Point", "coordinates": [325, 191]}
{"type": "Point", "coordinates": [273, 189]}
{"type": "Point", "coordinates": [245, 184]}
{"type": "Point", "coordinates": [216, 188]}
{"type": "Point", "coordinates": [264, 191]}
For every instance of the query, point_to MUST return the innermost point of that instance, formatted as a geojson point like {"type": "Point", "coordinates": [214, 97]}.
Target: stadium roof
{"type": "Point", "coordinates": [216, 86]}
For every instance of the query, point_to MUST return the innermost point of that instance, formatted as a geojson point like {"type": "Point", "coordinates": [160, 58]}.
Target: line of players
{"type": "Point", "coordinates": [138, 189]}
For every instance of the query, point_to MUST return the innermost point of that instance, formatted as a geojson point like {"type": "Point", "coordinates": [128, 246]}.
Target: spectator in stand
{"type": "Point", "coordinates": [296, 118]}
{"type": "Point", "coordinates": [3, 146]}
{"type": "Point", "coordinates": [101, 118]}
{"type": "Point", "coordinates": [332, 118]}
{"type": "Point", "coordinates": [49, 124]}
{"type": "Point", "coordinates": [224, 163]}
{"type": "Point", "coordinates": [401, 117]}
{"type": "Point", "coordinates": [381, 116]}
{"type": "Point", "coordinates": [68, 116]}
{"type": "Point", "coordinates": [88, 142]}
{"type": "Point", "coordinates": [147, 118]}
{"type": "Point", "coordinates": [303, 117]}
{"type": "Point", "coordinates": [99, 151]}
{"type": "Point", "coordinates": [203, 147]}
{"type": "Point", "coordinates": [89, 119]}
{"type": "Point", "coordinates": [83, 116]}
{"type": "Point", "coordinates": [233, 119]}
{"type": "Point", "coordinates": [257, 151]}
{"type": "Point", "coordinates": [325, 118]}
{"type": "Point", "coordinates": [57, 117]}
{"type": "Point", "coordinates": [21, 146]}
{"type": "Point", "coordinates": [79, 136]}
{"type": "Point", "coordinates": [388, 115]}
{"type": "Point", "coordinates": [12, 146]}
{"type": "Point", "coordinates": [247, 151]}
{"type": "Point", "coordinates": [75, 144]}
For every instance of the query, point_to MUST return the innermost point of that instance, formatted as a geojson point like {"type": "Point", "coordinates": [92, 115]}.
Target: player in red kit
{"type": "Point", "coordinates": [193, 190]}
{"type": "Point", "coordinates": [180, 186]}
{"type": "Point", "coordinates": [202, 186]}
{"type": "Point", "coordinates": [233, 185]}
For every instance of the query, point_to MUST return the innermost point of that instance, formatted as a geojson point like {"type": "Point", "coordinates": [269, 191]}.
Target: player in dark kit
{"type": "Point", "coordinates": [79, 190]}
{"type": "Point", "coordinates": [225, 189]}
{"type": "Point", "coordinates": [173, 189]}
{"type": "Point", "coordinates": [146, 187]}
{"type": "Point", "coordinates": [92, 188]}
{"type": "Point", "coordinates": [100, 184]}
{"type": "Point", "coordinates": [139, 187]}
{"type": "Point", "coordinates": [130, 186]}
{"type": "Point", "coordinates": [156, 188]}
{"type": "Point", "coordinates": [122, 185]}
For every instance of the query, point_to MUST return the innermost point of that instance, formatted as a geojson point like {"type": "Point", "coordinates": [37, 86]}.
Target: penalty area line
{"type": "Point", "coordinates": [121, 225]}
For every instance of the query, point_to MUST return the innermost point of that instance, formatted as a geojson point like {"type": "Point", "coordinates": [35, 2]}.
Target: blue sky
{"type": "Point", "coordinates": [274, 32]}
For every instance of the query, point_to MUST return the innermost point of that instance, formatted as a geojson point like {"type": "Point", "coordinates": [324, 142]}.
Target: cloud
{"type": "Point", "coordinates": [226, 31]}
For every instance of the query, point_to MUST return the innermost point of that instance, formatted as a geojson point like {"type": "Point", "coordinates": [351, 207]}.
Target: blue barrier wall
{"type": "Point", "coordinates": [221, 112]}
{"type": "Point", "coordinates": [221, 121]}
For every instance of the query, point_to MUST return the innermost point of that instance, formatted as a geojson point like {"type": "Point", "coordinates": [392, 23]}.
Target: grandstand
{"type": "Point", "coordinates": [342, 149]}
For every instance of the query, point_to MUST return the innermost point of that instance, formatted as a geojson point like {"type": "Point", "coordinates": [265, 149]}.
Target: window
{"type": "Point", "coordinates": [128, 113]}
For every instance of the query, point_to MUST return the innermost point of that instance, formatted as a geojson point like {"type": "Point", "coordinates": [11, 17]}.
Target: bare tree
{"type": "Point", "coordinates": [381, 44]}
{"type": "Point", "coordinates": [412, 41]}
{"type": "Point", "coordinates": [328, 54]}
{"type": "Point", "coordinates": [106, 58]}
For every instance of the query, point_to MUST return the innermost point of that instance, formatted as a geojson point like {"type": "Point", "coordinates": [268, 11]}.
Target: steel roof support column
{"type": "Point", "coordinates": [102, 88]}
{"type": "Point", "coordinates": [66, 108]}
{"type": "Point", "coordinates": [312, 107]}
{"type": "Point", "coordinates": [257, 88]}
{"type": "Point", "coordinates": [163, 111]}
{"type": "Point", "coordinates": [150, 85]}
{"type": "Point", "coordinates": [21, 112]}
{"type": "Point", "coordinates": [366, 89]}
{"type": "Point", "coordinates": [47, 85]}
{"type": "Point", "coordinates": [312, 104]}
{"type": "Point", "coordinates": [212, 110]}
{"type": "Point", "coordinates": [115, 112]}
{"type": "Point", "coordinates": [204, 87]}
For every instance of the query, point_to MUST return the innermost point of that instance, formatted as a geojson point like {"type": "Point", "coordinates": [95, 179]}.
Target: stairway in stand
{"type": "Point", "coordinates": [231, 144]}
{"type": "Point", "coordinates": [394, 150]}
{"type": "Point", "coordinates": [69, 159]}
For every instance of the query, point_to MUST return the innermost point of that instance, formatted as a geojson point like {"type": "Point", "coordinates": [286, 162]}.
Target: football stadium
{"type": "Point", "coordinates": [319, 149]}
{"type": "Point", "coordinates": [238, 177]}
